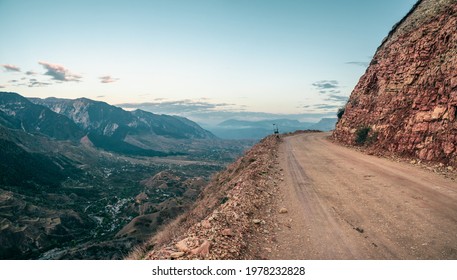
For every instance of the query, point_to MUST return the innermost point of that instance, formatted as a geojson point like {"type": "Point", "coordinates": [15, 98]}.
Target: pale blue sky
{"type": "Point", "coordinates": [284, 56]}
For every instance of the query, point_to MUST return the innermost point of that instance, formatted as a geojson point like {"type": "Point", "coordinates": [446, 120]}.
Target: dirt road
{"type": "Point", "coordinates": [343, 204]}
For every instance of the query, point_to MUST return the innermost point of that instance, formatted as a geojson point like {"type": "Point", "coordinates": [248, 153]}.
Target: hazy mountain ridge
{"type": "Point", "coordinates": [324, 124]}
{"type": "Point", "coordinates": [245, 129]}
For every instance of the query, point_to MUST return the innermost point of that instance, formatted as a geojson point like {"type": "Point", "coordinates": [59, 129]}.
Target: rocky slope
{"type": "Point", "coordinates": [406, 102]}
{"type": "Point", "coordinates": [228, 214]}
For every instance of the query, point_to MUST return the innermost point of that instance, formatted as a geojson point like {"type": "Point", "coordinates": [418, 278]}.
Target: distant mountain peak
{"type": "Point", "coordinates": [35, 118]}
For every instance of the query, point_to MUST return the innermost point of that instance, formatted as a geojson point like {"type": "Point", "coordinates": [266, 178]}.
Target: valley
{"type": "Point", "coordinates": [66, 196]}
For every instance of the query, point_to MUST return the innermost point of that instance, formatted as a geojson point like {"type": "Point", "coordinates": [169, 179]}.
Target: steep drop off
{"type": "Point", "coordinates": [228, 214]}
{"type": "Point", "coordinates": [406, 102]}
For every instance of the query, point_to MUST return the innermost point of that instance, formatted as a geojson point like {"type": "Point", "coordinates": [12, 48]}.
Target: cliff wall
{"type": "Point", "coordinates": [406, 102]}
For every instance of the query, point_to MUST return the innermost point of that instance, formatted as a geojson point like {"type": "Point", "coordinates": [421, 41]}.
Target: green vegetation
{"type": "Point", "coordinates": [340, 112]}
{"type": "Point", "coordinates": [361, 135]}
{"type": "Point", "coordinates": [365, 136]}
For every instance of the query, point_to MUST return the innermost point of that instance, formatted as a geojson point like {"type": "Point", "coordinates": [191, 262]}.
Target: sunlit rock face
{"type": "Point", "coordinates": [407, 98]}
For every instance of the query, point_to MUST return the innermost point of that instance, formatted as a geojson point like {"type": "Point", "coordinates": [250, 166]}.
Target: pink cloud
{"type": "Point", "coordinates": [59, 72]}
{"type": "Point", "coordinates": [108, 79]}
{"type": "Point", "coordinates": [12, 68]}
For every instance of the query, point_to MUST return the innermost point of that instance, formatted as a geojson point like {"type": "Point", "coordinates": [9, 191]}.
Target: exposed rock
{"type": "Point", "coordinates": [182, 245]}
{"type": "Point", "coordinates": [227, 232]}
{"type": "Point", "coordinates": [176, 255]}
{"type": "Point", "coordinates": [203, 250]}
{"type": "Point", "coordinates": [256, 221]}
{"type": "Point", "coordinates": [283, 210]}
{"type": "Point", "coordinates": [206, 224]}
{"type": "Point", "coordinates": [407, 98]}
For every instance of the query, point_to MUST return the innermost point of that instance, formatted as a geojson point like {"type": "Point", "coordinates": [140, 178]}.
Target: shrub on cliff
{"type": "Point", "coordinates": [365, 136]}
{"type": "Point", "coordinates": [340, 112]}
{"type": "Point", "coordinates": [361, 135]}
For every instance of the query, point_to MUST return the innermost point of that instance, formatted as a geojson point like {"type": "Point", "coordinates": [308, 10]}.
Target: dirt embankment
{"type": "Point", "coordinates": [231, 214]}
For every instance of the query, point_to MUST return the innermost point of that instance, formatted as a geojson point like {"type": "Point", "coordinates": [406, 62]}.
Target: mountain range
{"type": "Point", "coordinates": [107, 120]}
{"type": "Point", "coordinates": [244, 129]}
{"type": "Point", "coordinates": [97, 123]}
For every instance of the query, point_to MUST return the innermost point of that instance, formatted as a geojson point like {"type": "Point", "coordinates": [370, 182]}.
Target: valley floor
{"type": "Point", "coordinates": [343, 204]}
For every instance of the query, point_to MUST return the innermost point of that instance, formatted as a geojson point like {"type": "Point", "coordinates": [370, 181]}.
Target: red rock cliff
{"type": "Point", "coordinates": [407, 98]}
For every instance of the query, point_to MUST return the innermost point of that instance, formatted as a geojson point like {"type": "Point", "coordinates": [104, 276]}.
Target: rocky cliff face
{"type": "Point", "coordinates": [406, 102]}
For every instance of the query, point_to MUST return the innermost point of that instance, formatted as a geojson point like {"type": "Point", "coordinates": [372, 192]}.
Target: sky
{"type": "Point", "coordinates": [208, 60]}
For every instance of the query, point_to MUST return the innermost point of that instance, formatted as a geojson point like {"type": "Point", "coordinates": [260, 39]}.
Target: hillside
{"type": "Point", "coordinates": [19, 113]}
{"type": "Point", "coordinates": [227, 214]}
{"type": "Point", "coordinates": [406, 102]}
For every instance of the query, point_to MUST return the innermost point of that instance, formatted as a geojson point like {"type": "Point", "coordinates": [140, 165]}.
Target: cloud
{"type": "Point", "coordinates": [330, 89]}
{"type": "Point", "coordinates": [11, 68]}
{"type": "Point", "coordinates": [174, 107]}
{"type": "Point", "coordinates": [108, 79]}
{"type": "Point", "coordinates": [338, 98]}
{"type": "Point", "coordinates": [210, 114]}
{"type": "Point", "coordinates": [326, 106]}
{"type": "Point", "coordinates": [363, 64]}
{"type": "Point", "coordinates": [59, 73]}
{"type": "Point", "coordinates": [331, 97]}
{"type": "Point", "coordinates": [35, 83]}
{"type": "Point", "coordinates": [2, 86]}
{"type": "Point", "coordinates": [30, 73]}
{"type": "Point", "coordinates": [323, 106]}
{"type": "Point", "coordinates": [326, 84]}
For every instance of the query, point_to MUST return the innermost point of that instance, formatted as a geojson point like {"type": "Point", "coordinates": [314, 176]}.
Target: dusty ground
{"type": "Point", "coordinates": [343, 204]}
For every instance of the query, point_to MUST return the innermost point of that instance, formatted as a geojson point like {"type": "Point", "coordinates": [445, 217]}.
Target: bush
{"type": "Point", "coordinates": [340, 112]}
{"type": "Point", "coordinates": [361, 135]}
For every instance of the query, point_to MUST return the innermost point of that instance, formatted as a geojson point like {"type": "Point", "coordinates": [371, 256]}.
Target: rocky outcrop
{"type": "Point", "coordinates": [406, 102]}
